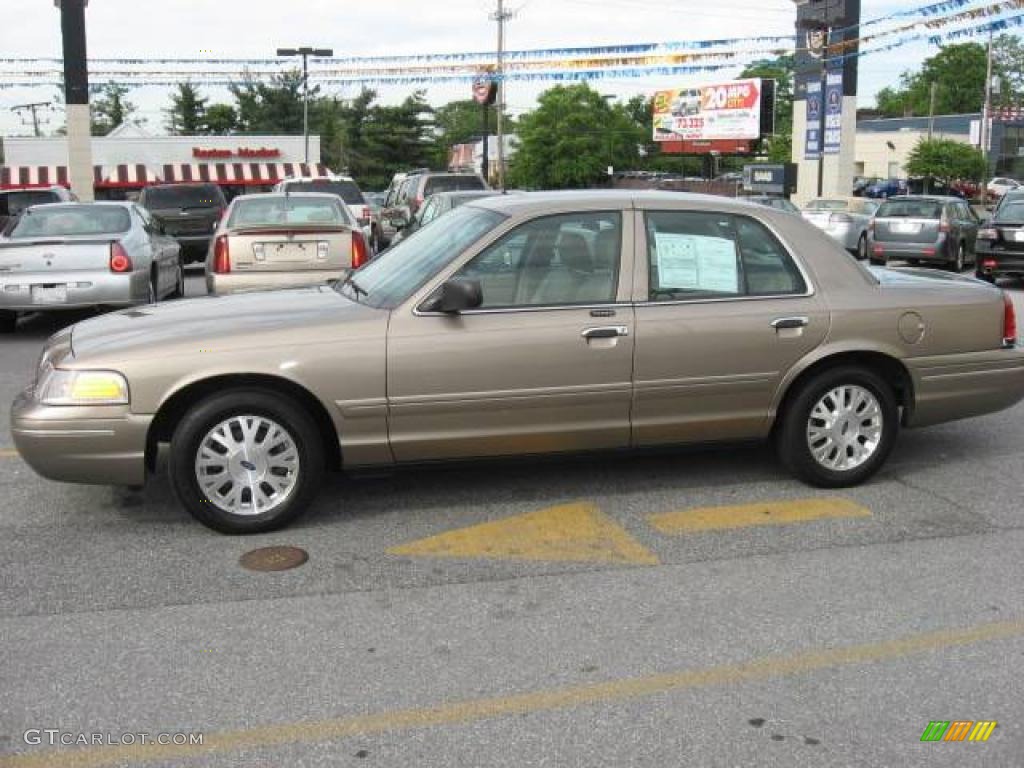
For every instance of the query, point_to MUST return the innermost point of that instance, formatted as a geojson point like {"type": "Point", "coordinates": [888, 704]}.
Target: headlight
{"type": "Point", "coordinates": [60, 387]}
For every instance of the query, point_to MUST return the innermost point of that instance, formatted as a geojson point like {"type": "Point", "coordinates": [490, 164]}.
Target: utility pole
{"type": "Point", "coordinates": [501, 16]}
{"type": "Point", "coordinates": [305, 52]}
{"type": "Point", "coordinates": [986, 138]}
{"type": "Point", "coordinates": [76, 97]}
{"type": "Point", "coordinates": [932, 92]}
{"type": "Point", "coordinates": [33, 108]}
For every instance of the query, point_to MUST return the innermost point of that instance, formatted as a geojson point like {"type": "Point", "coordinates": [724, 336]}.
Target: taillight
{"type": "Point", "coordinates": [1009, 321]}
{"type": "Point", "coordinates": [221, 256]}
{"type": "Point", "coordinates": [360, 253]}
{"type": "Point", "coordinates": [120, 261]}
{"type": "Point", "coordinates": [366, 212]}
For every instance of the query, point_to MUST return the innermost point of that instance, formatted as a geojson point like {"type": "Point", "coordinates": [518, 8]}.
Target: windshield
{"type": "Point", "coordinates": [437, 184]}
{"type": "Point", "coordinates": [910, 209]}
{"type": "Point", "coordinates": [281, 209]}
{"type": "Point", "coordinates": [400, 271]}
{"type": "Point", "coordinates": [65, 221]}
{"type": "Point", "coordinates": [204, 196]}
{"type": "Point", "coordinates": [346, 190]}
{"type": "Point", "coordinates": [1012, 213]}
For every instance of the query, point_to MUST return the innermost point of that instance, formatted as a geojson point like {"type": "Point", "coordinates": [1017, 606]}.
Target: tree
{"type": "Point", "coordinates": [958, 71]}
{"type": "Point", "coordinates": [458, 122]}
{"type": "Point", "coordinates": [274, 107]}
{"type": "Point", "coordinates": [571, 138]}
{"type": "Point", "coordinates": [187, 115]}
{"type": "Point", "coordinates": [779, 146]}
{"type": "Point", "coordinates": [1008, 64]}
{"type": "Point", "coordinates": [221, 119]}
{"type": "Point", "coordinates": [110, 109]}
{"type": "Point", "coordinates": [946, 160]}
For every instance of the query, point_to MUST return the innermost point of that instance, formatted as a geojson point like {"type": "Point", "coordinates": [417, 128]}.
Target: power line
{"type": "Point", "coordinates": [34, 107]}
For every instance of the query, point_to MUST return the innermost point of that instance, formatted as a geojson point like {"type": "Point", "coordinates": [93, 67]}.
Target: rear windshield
{"type": "Point", "coordinates": [204, 196]}
{"type": "Point", "coordinates": [346, 190]}
{"type": "Point", "coordinates": [64, 221]}
{"type": "Point", "coordinates": [451, 184]}
{"type": "Point", "coordinates": [293, 209]}
{"type": "Point", "coordinates": [13, 203]}
{"type": "Point", "coordinates": [827, 205]}
{"type": "Point", "coordinates": [1011, 213]}
{"type": "Point", "coordinates": [910, 209]}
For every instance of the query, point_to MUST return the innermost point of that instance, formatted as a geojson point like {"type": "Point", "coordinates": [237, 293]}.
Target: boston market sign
{"type": "Point", "coordinates": [248, 152]}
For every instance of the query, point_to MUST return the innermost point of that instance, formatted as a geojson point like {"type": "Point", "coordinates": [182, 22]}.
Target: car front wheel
{"type": "Point", "coordinates": [246, 461]}
{"type": "Point", "coordinates": [839, 428]}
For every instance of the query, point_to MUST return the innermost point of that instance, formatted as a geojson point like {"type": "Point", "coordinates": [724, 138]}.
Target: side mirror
{"type": "Point", "coordinates": [456, 296]}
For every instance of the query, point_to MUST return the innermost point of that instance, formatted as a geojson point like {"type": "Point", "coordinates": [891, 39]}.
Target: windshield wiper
{"type": "Point", "coordinates": [356, 288]}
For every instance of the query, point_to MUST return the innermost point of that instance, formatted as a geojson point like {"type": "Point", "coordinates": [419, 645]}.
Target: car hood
{"type": "Point", "coordinates": [259, 319]}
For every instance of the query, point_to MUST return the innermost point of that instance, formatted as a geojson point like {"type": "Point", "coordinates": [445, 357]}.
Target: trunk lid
{"type": "Point", "coordinates": [906, 229]}
{"type": "Point", "coordinates": [38, 256]}
{"type": "Point", "coordinates": [276, 249]}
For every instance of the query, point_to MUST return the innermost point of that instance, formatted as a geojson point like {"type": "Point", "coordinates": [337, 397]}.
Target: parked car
{"type": "Point", "coordinates": [388, 228]}
{"type": "Point", "coordinates": [845, 220]}
{"type": "Point", "coordinates": [1000, 246]}
{"type": "Point", "coordinates": [283, 239]}
{"type": "Point", "coordinates": [861, 183]}
{"type": "Point", "coordinates": [376, 202]}
{"type": "Point", "coordinates": [773, 201]}
{"type": "Point", "coordinates": [344, 187]}
{"type": "Point", "coordinates": [188, 212]}
{"type": "Point", "coordinates": [14, 201]}
{"type": "Point", "coordinates": [1000, 185]}
{"type": "Point", "coordinates": [407, 195]}
{"type": "Point", "coordinates": [886, 188]}
{"type": "Point", "coordinates": [437, 205]}
{"type": "Point", "coordinates": [520, 325]}
{"type": "Point", "coordinates": [78, 255]}
{"type": "Point", "coordinates": [925, 229]}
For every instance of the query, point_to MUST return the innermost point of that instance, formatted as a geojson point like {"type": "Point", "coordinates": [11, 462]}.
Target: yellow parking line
{"type": "Point", "coordinates": [8, 453]}
{"type": "Point", "coordinates": [537, 701]}
{"type": "Point", "coordinates": [748, 515]}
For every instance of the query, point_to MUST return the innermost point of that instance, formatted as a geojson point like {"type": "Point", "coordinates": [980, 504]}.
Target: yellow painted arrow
{"type": "Point", "coordinates": [577, 532]}
{"type": "Point", "coordinates": [752, 515]}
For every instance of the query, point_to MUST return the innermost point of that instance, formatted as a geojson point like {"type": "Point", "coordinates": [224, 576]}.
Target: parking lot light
{"type": "Point", "coordinates": [305, 52]}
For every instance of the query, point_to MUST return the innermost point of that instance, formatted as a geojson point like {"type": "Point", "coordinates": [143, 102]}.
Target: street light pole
{"type": "Point", "coordinates": [305, 52]}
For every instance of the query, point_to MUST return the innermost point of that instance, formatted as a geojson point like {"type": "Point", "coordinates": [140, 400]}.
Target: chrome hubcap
{"type": "Point", "coordinates": [845, 428]}
{"type": "Point", "coordinates": [247, 465]}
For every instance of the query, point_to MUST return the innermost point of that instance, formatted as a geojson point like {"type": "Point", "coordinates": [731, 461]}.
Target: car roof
{"type": "Point", "coordinates": [82, 204]}
{"type": "Point", "coordinates": [927, 198]}
{"type": "Point", "coordinates": [287, 195]}
{"type": "Point", "coordinates": [181, 185]}
{"type": "Point", "coordinates": [328, 177]}
{"type": "Point", "coordinates": [525, 202]}
{"type": "Point", "coordinates": [470, 193]}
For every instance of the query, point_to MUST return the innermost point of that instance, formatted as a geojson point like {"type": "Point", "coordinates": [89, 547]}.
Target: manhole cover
{"type": "Point", "coordinates": [274, 559]}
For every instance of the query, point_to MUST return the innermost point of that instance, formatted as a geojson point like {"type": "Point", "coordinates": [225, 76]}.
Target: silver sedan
{"type": "Point", "coordinates": [845, 220]}
{"type": "Point", "coordinates": [80, 255]}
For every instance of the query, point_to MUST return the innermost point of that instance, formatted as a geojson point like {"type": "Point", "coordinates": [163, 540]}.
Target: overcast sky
{"type": "Point", "coordinates": [255, 28]}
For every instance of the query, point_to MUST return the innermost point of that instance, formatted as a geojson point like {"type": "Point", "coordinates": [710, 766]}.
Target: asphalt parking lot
{"type": "Point", "coordinates": [678, 608]}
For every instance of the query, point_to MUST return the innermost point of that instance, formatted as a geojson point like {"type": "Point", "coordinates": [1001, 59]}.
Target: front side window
{"type": "Point", "coordinates": [551, 261]}
{"type": "Point", "coordinates": [698, 254]}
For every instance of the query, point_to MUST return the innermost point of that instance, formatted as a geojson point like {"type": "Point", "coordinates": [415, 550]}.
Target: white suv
{"type": "Point", "coordinates": [342, 186]}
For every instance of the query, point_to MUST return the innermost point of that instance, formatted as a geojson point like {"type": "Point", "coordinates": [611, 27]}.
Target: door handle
{"type": "Point", "coordinates": [605, 332]}
{"type": "Point", "coordinates": [790, 322]}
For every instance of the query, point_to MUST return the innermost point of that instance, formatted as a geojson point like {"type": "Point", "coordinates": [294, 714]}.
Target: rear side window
{"type": "Point", "coordinates": [184, 196]}
{"type": "Point", "coordinates": [452, 184]}
{"type": "Point", "coordinates": [910, 209]}
{"type": "Point", "coordinates": [13, 203]}
{"type": "Point", "coordinates": [696, 254]}
{"type": "Point", "coordinates": [405, 191]}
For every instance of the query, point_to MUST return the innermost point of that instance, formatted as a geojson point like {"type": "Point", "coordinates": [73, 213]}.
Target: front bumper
{"type": "Point", "coordinates": [84, 289]}
{"type": "Point", "coordinates": [97, 445]}
{"type": "Point", "coordinates": [951, 387]}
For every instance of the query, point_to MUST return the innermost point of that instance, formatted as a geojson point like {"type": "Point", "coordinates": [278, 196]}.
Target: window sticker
{"type": "Point", "coordinates": [696, 263]}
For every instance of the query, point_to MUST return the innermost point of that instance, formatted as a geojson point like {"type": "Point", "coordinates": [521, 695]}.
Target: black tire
{"type": "Point", "coordinates": [988, 278]}
{"type": "Point", "coordinates": [862, 247]}
{"type": "Point", "coordinates": [210, 412]}
{"type": "Point", "coordinates": [791, 435]}
{"type": "Point", "coordinates": [179, 283]}
{"type": "Point", "coordinates": [956, 264]}
{"type": "Point", "coordinates": [8, 321]}
{"type": "Point", "coordinates": [152, 296]}
{"type": "Point", "coordinates": [876, 261]}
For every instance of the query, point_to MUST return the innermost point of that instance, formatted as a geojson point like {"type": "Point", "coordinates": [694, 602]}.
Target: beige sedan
{"type": "Point", "coordinates": [527, 324]}
{"type": "Point", "coordinates": [281, 240]}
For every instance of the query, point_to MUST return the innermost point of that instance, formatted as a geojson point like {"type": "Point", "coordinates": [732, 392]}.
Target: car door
{"type": "Point", "coordinates": [969, 223]}
{"type": "Point", "coordinates": [159, 250]}
{"type": "Point", "coordinates": [723, 311]}
{"type": "Point", "coordinates": [543, 365]}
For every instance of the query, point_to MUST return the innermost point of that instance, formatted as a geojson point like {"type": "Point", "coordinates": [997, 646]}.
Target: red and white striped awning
{"type": "Point", "coordinates": [240, 174]}
{"type": "Point", "coordinates": [29, 176]}
{"type": "Point", "coordinates": [134, 176]}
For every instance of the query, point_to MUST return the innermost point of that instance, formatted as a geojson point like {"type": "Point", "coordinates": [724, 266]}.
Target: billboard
{"type": "Point", "coordinates": [719, 111]}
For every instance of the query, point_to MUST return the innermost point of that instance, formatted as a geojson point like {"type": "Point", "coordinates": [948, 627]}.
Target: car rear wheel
{"type": "Point", "coordinates": [8, 321]}
{"type": "Point", "coordinates": [957, 262]}
{"type": "Point", "coordinates": [839, 428]}
{"type": "Point", "coordinates": [179, 282]}
{"type": "Point", "coordinates": [246, 461]}
{"type": "Point", "coordinates": [862, 247]}
{"type": "Point", "coordinates": [151, 295]}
